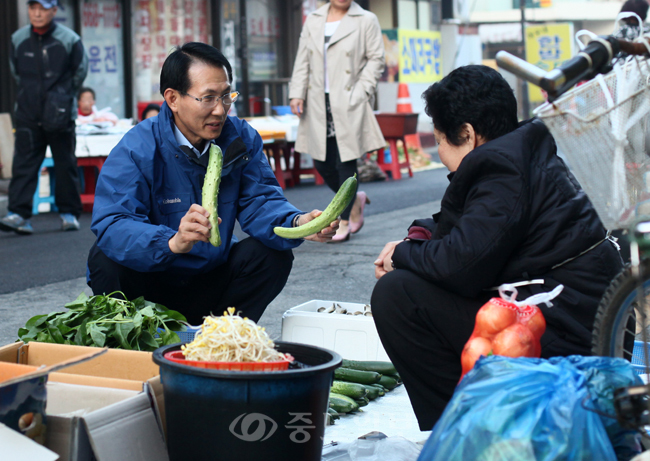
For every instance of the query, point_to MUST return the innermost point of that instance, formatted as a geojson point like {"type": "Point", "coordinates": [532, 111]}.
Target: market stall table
{"type": "Point", "coordinates": [295, 164]}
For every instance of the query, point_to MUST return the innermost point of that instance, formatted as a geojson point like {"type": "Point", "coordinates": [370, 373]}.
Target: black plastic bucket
{"type": "Point", "coordinates": [262, 416]}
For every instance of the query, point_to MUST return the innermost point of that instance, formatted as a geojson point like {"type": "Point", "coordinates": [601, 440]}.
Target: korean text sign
{"type": "Point", "coordinates": [102, 38]}
{"type": "Point", "coordinates": [547, 46]}
{"type": "Point", "coordinates": [420, 56]}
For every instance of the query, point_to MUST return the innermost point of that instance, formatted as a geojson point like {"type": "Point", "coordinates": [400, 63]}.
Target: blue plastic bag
{"type": "Point", "coordinates": [534, 409]}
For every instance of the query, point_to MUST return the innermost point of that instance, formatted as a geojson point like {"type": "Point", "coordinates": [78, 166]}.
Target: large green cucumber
{"type": "Point", "coordinates": [211, 190]}
{"type": "Point", "coordinates": [363, 401]}
{"type": "Point", "coordinates": [356, 376]}
{"type": "Point", "coordinates": [373, 392]}
{"type": "Point", "coordinates": [352, 390]}
{"type": "Point", "coordinates": [342, 403]}
{"type": "Point", "coordinates": [379, 387]}
{"type": "Point", "coordinates": [333, 413]}
{"type": "Point", "coordinates": [340, 202]}
{"type": "Point", "coordinates": [388, 383]}
{"type": "Point", "coordinates": [385, 368]}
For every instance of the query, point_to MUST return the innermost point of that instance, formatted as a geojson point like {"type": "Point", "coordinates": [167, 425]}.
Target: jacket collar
{"type": "Point", "coordinates": [347, 26]}
{"type": "Point", "coordinates": [183, 142]}
{"type": "Point", "coordinates": [229, 141]}
{"type": "Point", "coordinates": [50, 28]}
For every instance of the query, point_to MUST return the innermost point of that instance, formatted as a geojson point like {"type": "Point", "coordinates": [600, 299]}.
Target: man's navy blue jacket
{"type": "Point", "coordinates": [148, 184]}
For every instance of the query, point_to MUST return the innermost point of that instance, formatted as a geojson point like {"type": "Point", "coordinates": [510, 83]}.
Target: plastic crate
{"type": "Point", "coordinates": [186, 335]}
{"type": "Point", "coordinates": [638, 359]}
{"type": "Point", "coordinates": [353, 336]}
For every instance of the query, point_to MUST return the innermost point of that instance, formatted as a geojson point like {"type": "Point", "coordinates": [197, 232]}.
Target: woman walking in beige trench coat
{"type": "Point", "coordinates": [339, 61]}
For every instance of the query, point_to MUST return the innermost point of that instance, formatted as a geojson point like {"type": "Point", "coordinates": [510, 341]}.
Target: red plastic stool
{"type": "Point", "coordinates": [395, 166]}
{"type": "Point", "coordinates": [297, 170]}
{"type": "Point", "coordinates": [89, 164]}
{"type": "Point", "coordinates": [396, 126]}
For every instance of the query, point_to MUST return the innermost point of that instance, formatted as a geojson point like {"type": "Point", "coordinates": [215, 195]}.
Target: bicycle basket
{"type": "Point", "coordinates": [602, 129]}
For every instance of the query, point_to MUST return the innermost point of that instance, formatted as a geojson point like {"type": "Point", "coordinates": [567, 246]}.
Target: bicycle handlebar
{"type": "Point", "coordinates": [594, 59]}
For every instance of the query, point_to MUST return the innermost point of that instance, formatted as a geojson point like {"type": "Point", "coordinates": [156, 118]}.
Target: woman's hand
{"type": "Point", "coordinates": [194, 227]}
{"type": "Point", "coordinates": [384, 262]}
{"type": "Point", "coordinates": [297, 106]}
{"type": "Point", "coordinates": [323, 236]}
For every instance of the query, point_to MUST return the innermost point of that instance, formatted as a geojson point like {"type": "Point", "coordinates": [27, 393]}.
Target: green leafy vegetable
{"type": "Point", "coordinates": [105, 321]}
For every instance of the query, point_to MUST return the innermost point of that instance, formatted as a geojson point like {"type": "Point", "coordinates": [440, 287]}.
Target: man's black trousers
{"type": "Point", "coordinates": [29, 152]}
{"type": "Point", "coordinates": [251, 278]}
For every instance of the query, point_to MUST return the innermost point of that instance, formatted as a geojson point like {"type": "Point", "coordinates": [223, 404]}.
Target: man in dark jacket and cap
{"type": "Point", "coordinates": [512, 213]}
{"type": "Point", "coordinates": [49, 64]}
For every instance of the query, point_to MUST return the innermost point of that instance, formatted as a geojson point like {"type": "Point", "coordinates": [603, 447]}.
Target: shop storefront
{"type": "Point", "coordinates": [158, 26]}
{"type": "Point", "coordinates": [102, 33]}
{"type": "Point", "coordinates": [127, 42]}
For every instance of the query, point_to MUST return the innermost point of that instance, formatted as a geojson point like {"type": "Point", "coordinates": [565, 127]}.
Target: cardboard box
{"type": "Point", "coordinates": [118, 369]}
{"type": "Point", "coordinates": [13, 370]}
{"type": "Point", "coordinates": [353, 336]}
{"type": "Point", "coordinates": [23, 396]}
{"type": "Point", "coordinates": [111, 408]}
{"type": "Point", "coordinates": [90, 422]}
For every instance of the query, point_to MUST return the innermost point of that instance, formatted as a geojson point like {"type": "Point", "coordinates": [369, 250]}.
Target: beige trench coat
{"type": "Point", "coordinates": [355, 62]}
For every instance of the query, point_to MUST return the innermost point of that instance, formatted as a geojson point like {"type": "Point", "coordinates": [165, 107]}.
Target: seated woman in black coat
{"type": "Point", "coordinates": [512, 212]}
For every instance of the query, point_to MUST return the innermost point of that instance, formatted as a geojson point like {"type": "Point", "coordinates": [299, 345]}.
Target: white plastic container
{"type": "Point", "coordinates": [353, 336]}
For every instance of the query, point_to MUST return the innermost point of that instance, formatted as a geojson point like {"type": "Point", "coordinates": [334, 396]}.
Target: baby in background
{"type": "Point", "coordinates": [87, 111]}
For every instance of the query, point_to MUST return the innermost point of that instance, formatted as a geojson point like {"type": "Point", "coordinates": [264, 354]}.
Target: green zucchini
{"type": "Point", "coordinates": [333, 413]}
{"type": "Point", "coordinates": [373, 392]}
{"type": "Point", "coordinates": [396, 377]}
{"type": "Point", "coordinates": [342, 403]}
{"type": "Point", "coordinates": [388, 382]}
{"type": "Point", "coordinates": [380, 388]}
{"type": "Point", "coordinates": [363, 401]}
{"type": "Point", "coordinates": [345, 195]}
{"type": "Point", "coordinates": [211, 190]}
{"type": "Point", "coordinates": [385, 368]}
{"type": "Point", "coordinates": [356, 376]}
{"type": "Point", "coordinates": [352, 390]}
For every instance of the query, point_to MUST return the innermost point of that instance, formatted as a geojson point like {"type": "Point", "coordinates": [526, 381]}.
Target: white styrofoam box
{"type": "Point", "coordinates": [353, 336]}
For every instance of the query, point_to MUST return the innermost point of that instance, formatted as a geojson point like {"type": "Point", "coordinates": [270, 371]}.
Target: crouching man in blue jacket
{"type": "Point", "coordinates": [152, 232]}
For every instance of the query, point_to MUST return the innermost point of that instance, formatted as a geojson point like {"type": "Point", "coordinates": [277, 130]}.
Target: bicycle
{"type": "Point", "coordinates": [603, 129]}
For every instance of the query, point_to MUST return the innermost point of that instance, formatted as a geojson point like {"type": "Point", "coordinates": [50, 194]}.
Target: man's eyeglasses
{"type": "Point", "coordinates": [211, 100]}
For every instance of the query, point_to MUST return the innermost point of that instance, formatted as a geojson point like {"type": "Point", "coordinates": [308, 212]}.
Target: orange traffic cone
{"type": "Point", "coordinates": [403, 99]}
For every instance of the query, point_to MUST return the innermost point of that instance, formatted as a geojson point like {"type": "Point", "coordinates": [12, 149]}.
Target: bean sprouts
{"type": "Point", "coordinates": [231, 338]}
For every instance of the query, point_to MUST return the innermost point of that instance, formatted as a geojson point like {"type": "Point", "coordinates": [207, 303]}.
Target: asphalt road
{"type": "Point", "coordinates": [50, 255]}
{"type": "Point", "coordinates": [41, 272]}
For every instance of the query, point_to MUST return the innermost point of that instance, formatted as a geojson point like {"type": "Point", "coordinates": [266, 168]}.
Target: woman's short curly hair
{"type": "Point", "coordinates": [474, 94]}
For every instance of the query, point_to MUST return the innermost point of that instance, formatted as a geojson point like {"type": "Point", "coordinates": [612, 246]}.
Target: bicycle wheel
{"type": "Point", "coordinates": [618, 318]}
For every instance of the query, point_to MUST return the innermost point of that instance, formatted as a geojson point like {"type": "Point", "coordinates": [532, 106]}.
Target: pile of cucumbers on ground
{"type": "Point", "coordinates": [356, 383]}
